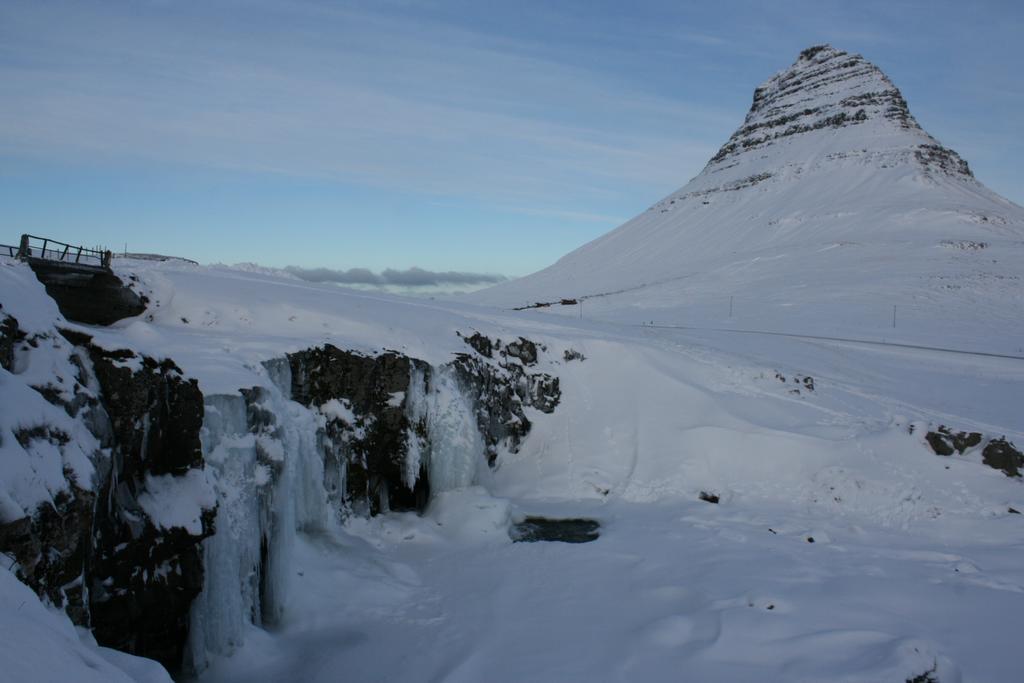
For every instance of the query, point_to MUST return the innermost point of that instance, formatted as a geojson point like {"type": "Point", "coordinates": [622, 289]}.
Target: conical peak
{"type": "Point", "coordinates": [825, 88]}
{"type": "Point", "coordinates": [823, 76]}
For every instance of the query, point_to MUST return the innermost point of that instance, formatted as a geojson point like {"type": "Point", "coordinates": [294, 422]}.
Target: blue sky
{"type": "Point", "coordinates": [477, 137]}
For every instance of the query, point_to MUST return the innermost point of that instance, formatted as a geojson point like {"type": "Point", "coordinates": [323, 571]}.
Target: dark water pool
{"type": "Point", "coordinates": [534, 529]}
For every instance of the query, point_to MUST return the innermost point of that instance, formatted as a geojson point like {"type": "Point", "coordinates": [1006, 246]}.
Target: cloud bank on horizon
{"type": "Point", "coordinates": [411, 278]}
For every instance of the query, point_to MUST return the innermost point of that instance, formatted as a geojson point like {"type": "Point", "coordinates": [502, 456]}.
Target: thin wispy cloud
{"type": "Point", "coordinates": [373, 104]}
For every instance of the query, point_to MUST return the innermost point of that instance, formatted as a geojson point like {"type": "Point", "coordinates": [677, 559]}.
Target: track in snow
{"type": "Point", "coordinates": [847, 340]}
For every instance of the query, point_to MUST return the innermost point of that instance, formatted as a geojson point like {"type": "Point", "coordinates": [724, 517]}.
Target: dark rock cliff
{"type": "Point", "coordinates": [93, 549]}
{"type": "Point", "coordinates": [50, 546]}
{"type": "Point", "coordinates": [142, 577]}
{"type": "Point", "coordinates": [371, 444]}
{"type": "Point", "coordinates": [91, 296]}
{"type": "Point", "coordinates": [371, 434]}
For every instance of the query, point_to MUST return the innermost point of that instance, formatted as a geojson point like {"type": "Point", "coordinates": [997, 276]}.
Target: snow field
{"type": "Point", "coordinates": [914, 564]}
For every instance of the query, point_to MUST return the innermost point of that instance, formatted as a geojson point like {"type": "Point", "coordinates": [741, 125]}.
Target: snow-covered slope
{"type": "Point", "coordinates": [829, 194]}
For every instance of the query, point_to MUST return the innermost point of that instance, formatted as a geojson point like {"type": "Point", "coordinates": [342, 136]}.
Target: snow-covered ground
{"type": "Point", "coordinates": [915, 564]}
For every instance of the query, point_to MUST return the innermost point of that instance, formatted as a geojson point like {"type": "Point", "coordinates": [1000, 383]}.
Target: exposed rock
{"type": "Point", "coordinates": [50, 548]}
{"type": "Point", "coordinates": [375, 444]}
{"type": "Point", "coordinates": [576, 530]}
{"type": "Point", "coordinates": [940, 443]}
{"type": "Point", "coordinates": [572, 354]}
{"type": "Point", "coordinates": [480, 344]}
{"type": "Point", "coordinates": [155, 396]}
{"type": "Point", "coordinates": [90, 296]}
{"type": "Point", "coordinates": [806, 381]}
{"type": "Point", "coordinates": [50, 545]}
{"type": "Point", "coordinates": [10, 334]}
{"type": "Point", "coordinates": [998, 453]}
{"type": "Point", "coordinates": [93, 549]}
{"type": "Point", "coordinates": [501, 389]}
{"type": "Point", "coordinates": [708, 497]}
{"type": "Point", "coordinates": [944, 441]}
{"type": "Point", "coordinates": [375, 448]}
{"type": "Point", "coordinates": [142, 578]}
{"type": "Point", "coordinates": [937, 158]}
{"type": "Point", "coordinates": [523, 349]}
{"type": "Point", "coordinates": [1002, 455]}
{"type": "Point", "coordinates": [928, 676]}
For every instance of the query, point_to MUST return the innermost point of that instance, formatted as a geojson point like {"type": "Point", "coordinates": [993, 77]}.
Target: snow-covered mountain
{"type": "Point", "coordinates": [829, 186]}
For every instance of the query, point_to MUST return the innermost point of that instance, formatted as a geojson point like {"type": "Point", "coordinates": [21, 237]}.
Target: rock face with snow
{"type": "Point", "coordinates": [145, 565]}
{"type": "Point", "coordinates": [94, 298]}
{"type": "Point", "coordinates": [497, 377]}
{"type": "Point", "coordinates": [114, 536]}
{"type": "Point", "coordinates": [369, 436]}
{"type": "Point", "coordinates": [829, 89]}
{"type": "Point", "coordinates": [828, 156]}
{"type": "Point", "coordinates": [380, 419]}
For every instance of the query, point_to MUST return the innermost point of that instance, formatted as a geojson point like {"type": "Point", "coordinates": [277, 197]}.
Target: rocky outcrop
{"type": "Point", "coordinates": [101, 547]}
{"type": "Point", "coordinates": [998, 453]}
{"type": "Point", "coordinates": [944, 441]}
{"type": "Point", "coordinates": [377, 444]}
{"type": "Point", "coordinates": [50, 548]}
{"type": "Point", "coordinates": [89, 295]}
{"type": "Point", "coordinates": [368, 430]}
{"type": "Point", "coordinates": [49, 541]}
{"type": "Point", "coordinates": [500, 387]}
{"type": "Point", "coordinates": [9, 335]}
{"type": "Point", "coordinates": [144, 571]}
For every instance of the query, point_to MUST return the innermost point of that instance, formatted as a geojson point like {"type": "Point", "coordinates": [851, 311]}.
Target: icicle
{"type": "Point", "coordinates": [230, 596]}
{"type": "Point", "coordinates": [269, 476]}
{"type": "Point", "coordinates": [456, 447]}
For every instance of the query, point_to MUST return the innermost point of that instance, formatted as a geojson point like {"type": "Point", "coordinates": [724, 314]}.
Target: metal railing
{"type": "Point", "coordinates": [52, 250]}
{"type": "Point", "coordinates": [8, 250]}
